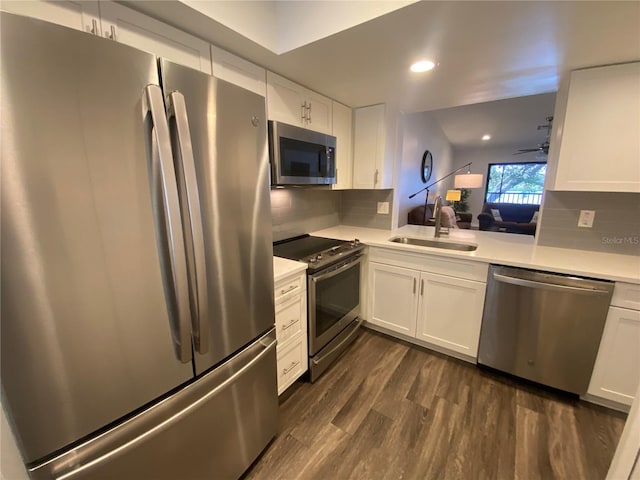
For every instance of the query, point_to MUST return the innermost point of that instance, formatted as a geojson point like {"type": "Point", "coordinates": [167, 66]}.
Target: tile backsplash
{"type": "Point", "coordinates": [616, 227]}
{"type": "Point", "coordinates": [359, 208]}
{"type": "Point", "coordinates": [295, 211]}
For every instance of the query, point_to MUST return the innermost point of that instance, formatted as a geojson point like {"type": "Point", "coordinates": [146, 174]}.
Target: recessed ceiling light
{"type": "Point", "coordinates": [486, 137]}
{"type": "Point", "coordinates": [422, 66]}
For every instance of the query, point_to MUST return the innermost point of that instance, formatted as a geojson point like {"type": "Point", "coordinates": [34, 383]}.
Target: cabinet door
{"type": "Point", "coordinates": [145, 33]}
{"type": "Point", "coordinates": [284, 100]}
{"type": "Point", "coordinates": [79, 15]}
{"type": "Point", "coordinates": [319, 113]}
{"type": "Point", "coordinates": [616, 374]}
{"type": "Point", "coordinates": [393, 298]}
{"type": "Point", "coordinates": [600, 144]}
{"type": "Point", "coordinates": [343, 130]}
{"type": "Point", "coordinates": [450, 312]}
{"type": "Point", "coordinates": [238, 71]}
{"type": "Point", "coordinates": [368, 146]}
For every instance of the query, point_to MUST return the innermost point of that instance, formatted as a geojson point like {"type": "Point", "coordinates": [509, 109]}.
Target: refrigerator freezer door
{"type": "Point", "coordinates": [212, 429]}
{"type": "Point", "coordinates": [229, 143]}
{"type": "Point", "coordinates": [86, 335]}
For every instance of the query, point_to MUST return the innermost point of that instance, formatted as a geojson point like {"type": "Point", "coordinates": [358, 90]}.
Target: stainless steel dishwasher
{"type": "Point", "coordinates": [543, 327]}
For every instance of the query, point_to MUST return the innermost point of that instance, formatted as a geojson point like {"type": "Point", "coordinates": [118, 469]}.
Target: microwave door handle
{"type": "Point", "coordinates": [183, 150]}
{"type": "Point", "coordinates": [166, 204]}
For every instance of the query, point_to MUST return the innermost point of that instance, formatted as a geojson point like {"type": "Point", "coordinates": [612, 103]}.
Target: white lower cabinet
{"type": "Point", "coordinates": [291, 329]}
{"type": "Point", "coordinates": [616, 374]}
{"type": "Point", "coordinates": [393, 298]}
{"type": "Point", "coordinates": [441, 310]}
{"type": "Point", "coordinates": [450, 312]}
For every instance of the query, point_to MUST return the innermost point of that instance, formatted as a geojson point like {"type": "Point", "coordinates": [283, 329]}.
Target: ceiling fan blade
{"type": "Point", "coordinates": [526, 150]}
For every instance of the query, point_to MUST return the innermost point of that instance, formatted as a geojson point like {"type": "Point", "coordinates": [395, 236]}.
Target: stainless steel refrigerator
{"type": "Point", "coordinates": [137, 310]}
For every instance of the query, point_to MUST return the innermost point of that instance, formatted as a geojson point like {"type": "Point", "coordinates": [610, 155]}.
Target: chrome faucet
{"type": "Point", "coordinates": [437, 208]}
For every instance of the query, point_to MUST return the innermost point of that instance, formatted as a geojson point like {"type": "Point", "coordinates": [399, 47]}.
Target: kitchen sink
{"type": "Point", "coordinates": [423, 242]}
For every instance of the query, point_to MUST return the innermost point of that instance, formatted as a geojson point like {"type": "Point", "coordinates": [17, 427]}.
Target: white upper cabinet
{"type": "Point", "coordinates": [238, 71]}
{"type": "Point", "coordinates": [598, 140]}
{"type": "Point", "coordinates": [291, 103]}
{"type": "Point", "coordinates": [80, 15]}
{"type": "Point", "coordinates": [343, 131]}
{"type": "Point", "coordinates": [145, 33]}
{"type": "Point", "coordinates": [373, 148]}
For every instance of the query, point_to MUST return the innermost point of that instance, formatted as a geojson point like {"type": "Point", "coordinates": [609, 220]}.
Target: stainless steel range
{"type": "Point", "coordinates": [333, 288]}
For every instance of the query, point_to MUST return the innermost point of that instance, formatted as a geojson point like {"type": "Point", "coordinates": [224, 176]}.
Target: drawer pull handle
{"type": "Point", "coordinates": [290, 324]}
{"type": "Point", "coordinates": [287, 290]}
{"type": "Point", "coordinates": [291, 367]}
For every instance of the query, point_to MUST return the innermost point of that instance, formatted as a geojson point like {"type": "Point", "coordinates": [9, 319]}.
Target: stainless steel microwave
{"type": "Point", "coordinates": [301, 157]}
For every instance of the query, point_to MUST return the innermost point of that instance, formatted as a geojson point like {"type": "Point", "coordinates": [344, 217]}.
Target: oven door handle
{"type": "Point", "coordinates": [358, 322]}
{"type": "Point", "coordinates": [323, 276]}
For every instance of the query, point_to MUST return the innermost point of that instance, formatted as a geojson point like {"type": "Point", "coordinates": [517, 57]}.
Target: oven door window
{"type": "Point", "coordinates": [303, 159]}
{"type": "Point", "coordinates": [335, 297]}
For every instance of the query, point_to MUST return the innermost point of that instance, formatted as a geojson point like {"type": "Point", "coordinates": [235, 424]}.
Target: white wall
{"type": "Point", "coordinates": [481, 158]}
{"type": "Point", "coordinates": [420, 132]}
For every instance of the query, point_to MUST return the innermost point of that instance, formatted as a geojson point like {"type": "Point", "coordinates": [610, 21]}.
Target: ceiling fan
{"type": "Point", "coordinates": [544, 146]}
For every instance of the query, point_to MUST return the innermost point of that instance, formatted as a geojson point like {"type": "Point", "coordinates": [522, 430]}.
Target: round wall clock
{"type": "Point", "coordinates": [427, 166]}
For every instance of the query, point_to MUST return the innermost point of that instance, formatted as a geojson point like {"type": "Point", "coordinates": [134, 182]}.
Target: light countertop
{"type": "Point", "coordinates": [283, 267]}
{"type": "Point", "coordinates": [501, 248]}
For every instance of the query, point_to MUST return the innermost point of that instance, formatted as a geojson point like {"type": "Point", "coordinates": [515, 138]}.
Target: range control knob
{"type": "Point", "coordinates": [355, 242]}
{"type": "Point", "coordinates": [319, 256]}
{"type": "Point", "coordinates": [312, 260]}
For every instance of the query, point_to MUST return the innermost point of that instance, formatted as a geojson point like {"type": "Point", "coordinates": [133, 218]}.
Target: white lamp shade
{"type": "Point", "coordinates": [468, 180]}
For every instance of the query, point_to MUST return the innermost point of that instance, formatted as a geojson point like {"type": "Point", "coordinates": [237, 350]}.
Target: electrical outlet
{"type": "Point", "coordinates": [383, 207]}
{"type": "Point", "coordinates": [586, 218]}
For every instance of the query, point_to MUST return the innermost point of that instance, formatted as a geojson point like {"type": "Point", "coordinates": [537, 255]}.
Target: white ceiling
{"type": "Point", "coordinates": [282, 26]}
{"type": "Point", "coordinates": [512, 122]}
{"type": "Point", "coordinates": [486, 50]}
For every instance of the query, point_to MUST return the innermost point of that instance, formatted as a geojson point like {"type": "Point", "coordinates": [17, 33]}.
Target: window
{"type": "Point", "coordinates": [515, 182]}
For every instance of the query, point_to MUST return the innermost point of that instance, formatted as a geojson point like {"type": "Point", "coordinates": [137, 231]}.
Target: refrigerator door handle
{"type": "Point", "coordinates": [131, 436]}
{"type": "Point", "coordinates": [191, 213]}
{"type": "Point", "coordinates": [167, 208]}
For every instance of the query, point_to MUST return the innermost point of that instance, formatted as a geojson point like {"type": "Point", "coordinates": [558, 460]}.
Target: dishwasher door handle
{"type": "Point", "coordinates": [548, 286]}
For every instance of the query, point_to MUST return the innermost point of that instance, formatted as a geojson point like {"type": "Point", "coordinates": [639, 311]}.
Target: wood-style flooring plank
{"type": "Point", "coordinates": [389, 410]}
{"type": "Point", "coordinates": [357, 407]}
{"type": "Point", "coordinates": [532, 457]}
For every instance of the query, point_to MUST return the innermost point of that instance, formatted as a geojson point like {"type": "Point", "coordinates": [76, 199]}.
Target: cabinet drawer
{"type": "Point", "coordinates": [291, 318]}
{"type": "Point", "coordinates": [289, 287]}
{"type": "Point", "coordinates": [626, 295]}
{"type": "Point", "coordinates": [292, 362]}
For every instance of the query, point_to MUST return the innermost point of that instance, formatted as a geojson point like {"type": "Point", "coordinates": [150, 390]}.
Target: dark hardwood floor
{"type": "Point", "coordinates": [389, 410]}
